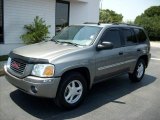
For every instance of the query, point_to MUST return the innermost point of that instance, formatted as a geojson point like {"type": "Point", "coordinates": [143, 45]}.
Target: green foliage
{"type": "Point", "coordinates": [150, 20]}
{"type": "Point", "coordinates": [36, 32]}
{"type": "Point", "coordinates": [3, 57]}
{"type": "Point", "coordinates": [152, 11]}
{"type": "Point", "coordinates": [109, 16]}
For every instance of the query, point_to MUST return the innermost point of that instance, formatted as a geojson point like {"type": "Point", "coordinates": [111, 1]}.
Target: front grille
{"type": "Point", "coordinates": [17, 66]}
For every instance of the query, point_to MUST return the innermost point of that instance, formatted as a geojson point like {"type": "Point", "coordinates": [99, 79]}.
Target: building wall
{"type": "Point", "coordinates": [6, 48]}
{"type": "Point", "coordinates": [18, 13]}
{"type": "Point", "coordinates": [87, 11]}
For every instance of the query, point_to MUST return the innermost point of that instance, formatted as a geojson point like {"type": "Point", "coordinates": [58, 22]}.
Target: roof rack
{"type": "Point", "coordinates": [124, 24]}
{"type": "Point", "coordinates": [91, 23]}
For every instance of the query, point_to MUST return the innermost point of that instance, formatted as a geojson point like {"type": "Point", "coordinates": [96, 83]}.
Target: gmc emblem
{"type": "Point", "coordinates": [16, 65]}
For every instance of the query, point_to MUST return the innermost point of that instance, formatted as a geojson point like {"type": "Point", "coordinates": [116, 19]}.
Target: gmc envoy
{"type": "Point", "coordinates": [66, 67]}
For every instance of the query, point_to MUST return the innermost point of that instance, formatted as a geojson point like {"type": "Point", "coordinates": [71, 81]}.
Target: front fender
{"type": "Point", "coordinates": [62, 68]}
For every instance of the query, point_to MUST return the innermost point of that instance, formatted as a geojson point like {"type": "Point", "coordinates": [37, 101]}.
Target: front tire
{"type": "Point", "coordinates": [139, 71]}
{"type": "Point", "coordinates": [72, 90]}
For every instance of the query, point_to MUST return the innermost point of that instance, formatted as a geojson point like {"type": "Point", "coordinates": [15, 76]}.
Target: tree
{"type": "Point", "coordinates": [150, 20]}
{"type": "Point", "coordinates": [109, 16]}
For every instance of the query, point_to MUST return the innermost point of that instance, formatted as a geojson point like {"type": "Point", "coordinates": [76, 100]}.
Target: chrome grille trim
{"type": "Point", "coordinates": [17, 66]}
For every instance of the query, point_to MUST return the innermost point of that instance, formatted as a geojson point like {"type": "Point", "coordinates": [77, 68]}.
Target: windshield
{"type": "Point", "coordinates": [80, 35]}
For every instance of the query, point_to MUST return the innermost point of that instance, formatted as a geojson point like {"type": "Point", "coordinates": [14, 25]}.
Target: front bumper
{"type": "Point", "coordinates": [42, 87]}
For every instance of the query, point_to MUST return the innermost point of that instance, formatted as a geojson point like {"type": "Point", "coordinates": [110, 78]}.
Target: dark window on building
{"type": "Point", "coordinates": [112, 36]}
{"type": "Point", "coordinates": [141, 36]}
{"type": "Point", "coordinates": [62, 15]}
{"type": "Point", "coordinates": [1, 21]}
{"type": "Point", "coordinates": [129, 36]}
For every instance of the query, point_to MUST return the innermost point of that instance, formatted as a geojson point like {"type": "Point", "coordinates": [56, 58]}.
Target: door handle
{"type": "Point", "coordinates": [138, 50]}
{"type": "Point", "coordinates": [120, 53]}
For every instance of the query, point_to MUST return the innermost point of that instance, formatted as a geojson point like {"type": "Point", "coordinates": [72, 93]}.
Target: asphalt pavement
{"type": "Point", "coordinates": [115, 99]}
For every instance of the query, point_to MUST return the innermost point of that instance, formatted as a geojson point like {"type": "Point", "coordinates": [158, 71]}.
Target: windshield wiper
{"type": "Point", "coordinates": [75, 44]}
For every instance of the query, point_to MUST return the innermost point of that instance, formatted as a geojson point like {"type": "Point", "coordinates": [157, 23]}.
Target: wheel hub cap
{"type": "Point", "coordinates": [73, 92]}
{"type": "Point", "coordinates": [140, 70]}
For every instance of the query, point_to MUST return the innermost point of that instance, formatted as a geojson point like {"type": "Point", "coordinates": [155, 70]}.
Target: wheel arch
{"type": "Point", "coordinates": [83, 71]}
{"type": "Point", "coordinates": [145, 58]}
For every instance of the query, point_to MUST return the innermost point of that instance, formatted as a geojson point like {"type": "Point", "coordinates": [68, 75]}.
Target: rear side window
{"type": "Point", "coordinates": [112, 36]}
{"type": "Point", "coordinates": [129, 36]}
{"type": "Point", "coordinates": [141, 36]}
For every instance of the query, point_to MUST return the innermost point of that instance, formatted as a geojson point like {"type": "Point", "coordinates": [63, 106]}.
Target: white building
{"type": "Point", "coordinates": [14, 14]}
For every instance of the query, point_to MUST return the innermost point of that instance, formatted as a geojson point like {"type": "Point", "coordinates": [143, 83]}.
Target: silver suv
{"type": "Point", "coordinates": [67, 66]}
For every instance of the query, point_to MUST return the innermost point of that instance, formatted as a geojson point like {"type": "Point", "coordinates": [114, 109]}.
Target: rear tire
{"type": "Point", "coordinates": [72, 90]}
{"type": "Point", "coordinates": [139, 71]}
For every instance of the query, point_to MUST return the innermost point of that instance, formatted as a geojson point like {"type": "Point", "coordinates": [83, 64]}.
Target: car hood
{"type": "Point", "coordinates": [45, 50]}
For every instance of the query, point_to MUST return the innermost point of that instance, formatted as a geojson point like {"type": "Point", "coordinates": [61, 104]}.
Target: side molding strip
{"type": "Point", "coordinates": [113, 65]}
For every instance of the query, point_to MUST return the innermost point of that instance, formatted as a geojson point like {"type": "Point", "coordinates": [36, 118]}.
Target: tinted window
{"type": "Point", "coordinates": [140, 35]}
{"type": "Point", "coordinates": [129, 36]}
{"type": "Point", "coordinates": [112, 36]}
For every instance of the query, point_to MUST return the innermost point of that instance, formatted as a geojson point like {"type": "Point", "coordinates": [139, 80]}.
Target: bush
{"type": "Point", "coordinates": [3, 57]}
{"type": "Point", "coordinates": [36, 32]}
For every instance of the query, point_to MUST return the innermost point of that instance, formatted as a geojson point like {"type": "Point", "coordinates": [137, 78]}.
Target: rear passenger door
{"type": "Point", "coordinates": [131, 49]}
{"type": "Point", "coordinates": [143, 46]}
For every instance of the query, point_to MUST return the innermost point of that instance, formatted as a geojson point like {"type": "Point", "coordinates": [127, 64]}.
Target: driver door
{"type": "Point", "coordinates": [109, 61]}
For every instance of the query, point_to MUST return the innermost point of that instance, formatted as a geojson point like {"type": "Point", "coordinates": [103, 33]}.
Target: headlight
{"type": "Point", "coordinates": [43, 70]}
{"type": "Point", "coordinates": [9, 62]}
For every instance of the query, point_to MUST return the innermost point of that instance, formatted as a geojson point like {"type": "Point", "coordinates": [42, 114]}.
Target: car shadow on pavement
{"type": "Point", "coordinates": [101, 94]}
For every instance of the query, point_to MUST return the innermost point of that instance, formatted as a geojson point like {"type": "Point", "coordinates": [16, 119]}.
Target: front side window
{"type": "Point", "coordinates": [129, 37]}
{"type": "Point", "coordinates": [81, 35]}
{"type": "Point", "coordinates": [140, 35]}
{"type": "Point", "coordinates": [112, 36]}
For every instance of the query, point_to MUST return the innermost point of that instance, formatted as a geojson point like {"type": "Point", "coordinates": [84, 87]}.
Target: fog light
{"type": "Point", "coordinates": [34, 89]}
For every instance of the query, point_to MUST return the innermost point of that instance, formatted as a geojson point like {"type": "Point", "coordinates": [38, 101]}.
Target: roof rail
{"type": "Point", "coordinates": [124, 24]}
{"type": "Point", "coordinates": [91, 23]}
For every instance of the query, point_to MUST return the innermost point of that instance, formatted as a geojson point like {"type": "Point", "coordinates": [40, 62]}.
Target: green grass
{"type": "Point", "coordinates": [3, 57]}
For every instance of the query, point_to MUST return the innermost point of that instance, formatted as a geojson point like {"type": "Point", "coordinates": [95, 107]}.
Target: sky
{"type": "Point", "coordinates": [128, 8]}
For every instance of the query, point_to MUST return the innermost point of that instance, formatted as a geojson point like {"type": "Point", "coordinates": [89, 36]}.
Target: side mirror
{"type": "Point", "coordinates": [104, 46]}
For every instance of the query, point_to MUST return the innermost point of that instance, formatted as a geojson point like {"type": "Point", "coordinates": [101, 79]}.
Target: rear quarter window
{"type": "Point", "coordinates": [141, 36]}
